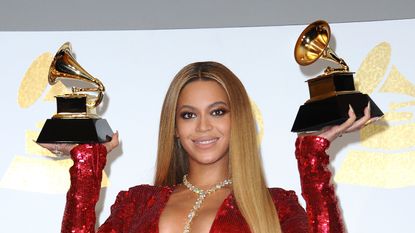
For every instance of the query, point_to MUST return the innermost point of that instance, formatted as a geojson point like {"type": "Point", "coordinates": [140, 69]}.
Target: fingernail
{"type": "Point", "coordinates": [351, 108]}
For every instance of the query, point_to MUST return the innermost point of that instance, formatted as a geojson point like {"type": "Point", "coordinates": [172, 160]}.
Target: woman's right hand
{"type": "Point", "coordinates": [65, 149]}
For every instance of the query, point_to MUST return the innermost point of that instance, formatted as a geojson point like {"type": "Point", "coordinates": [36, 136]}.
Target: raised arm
{"type": "Point", "coordinates": [322, 208]}
{"type": "Point", "coordinates": [86, 175]}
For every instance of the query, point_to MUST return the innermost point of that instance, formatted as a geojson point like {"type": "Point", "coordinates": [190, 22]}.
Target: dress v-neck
{"type": "Point", "coordinates": [170, 190]}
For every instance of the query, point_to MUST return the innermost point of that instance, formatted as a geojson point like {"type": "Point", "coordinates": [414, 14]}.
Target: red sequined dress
{"type": "Point", "coordinates": [138, 209]}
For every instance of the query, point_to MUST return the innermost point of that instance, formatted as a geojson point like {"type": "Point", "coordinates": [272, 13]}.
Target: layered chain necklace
{"type": "Point", "coordinates": [202, 194]}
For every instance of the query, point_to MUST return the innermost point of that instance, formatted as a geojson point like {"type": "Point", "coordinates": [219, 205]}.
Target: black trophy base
{"type": "Point", "coordinates": [75, 131]}
{"type": "Point", "coordinates": [73, 103]}
{"type": "Point", "coordinates": [316, 115]}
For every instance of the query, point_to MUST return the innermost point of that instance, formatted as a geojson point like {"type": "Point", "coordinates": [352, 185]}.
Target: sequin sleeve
{"type": "Point", "coordinates": [322, 208]}
{"type": "Point", "coordinates": [86, 175]}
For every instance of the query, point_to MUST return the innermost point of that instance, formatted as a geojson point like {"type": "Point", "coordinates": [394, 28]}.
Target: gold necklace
{"type": "Point", "coordinates": [202, 194]}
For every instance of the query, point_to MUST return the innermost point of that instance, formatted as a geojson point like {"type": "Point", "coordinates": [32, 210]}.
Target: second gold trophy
{"type": "Point", "coordinates": [332, 92]}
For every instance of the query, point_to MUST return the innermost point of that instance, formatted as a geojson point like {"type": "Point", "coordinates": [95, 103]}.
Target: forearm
{"type": "Point", "coordinates": [83, 194]}
{"type": "Point", "coordinates": [323, 211]}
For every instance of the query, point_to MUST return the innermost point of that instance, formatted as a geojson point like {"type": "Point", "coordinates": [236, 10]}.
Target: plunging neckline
{"type": "Point", "coordinates": [171, 190]}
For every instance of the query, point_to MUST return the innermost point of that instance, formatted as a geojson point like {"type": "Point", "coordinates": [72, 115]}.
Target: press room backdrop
{"type": "Point", "coordinates": [374, 169]}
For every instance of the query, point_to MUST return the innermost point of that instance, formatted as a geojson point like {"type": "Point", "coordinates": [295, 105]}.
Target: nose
{"type": "Point", "coordinates": [203, 124]}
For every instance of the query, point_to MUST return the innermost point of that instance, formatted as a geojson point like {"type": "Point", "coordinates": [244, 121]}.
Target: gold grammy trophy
{"type": "Point", "coordinates": [330, 93]}
{"type": "Point", "coordinates": [76, 120]}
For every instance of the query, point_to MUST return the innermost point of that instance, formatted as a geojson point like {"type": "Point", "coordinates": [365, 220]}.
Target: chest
{"type": "Point", "coordinates": [181, 206]}
{"type": "Point", "coordinates": [168, 215]}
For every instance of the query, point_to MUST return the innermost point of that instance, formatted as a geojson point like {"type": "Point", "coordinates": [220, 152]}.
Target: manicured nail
{"type": "Point", "coordinates": [350, 108]}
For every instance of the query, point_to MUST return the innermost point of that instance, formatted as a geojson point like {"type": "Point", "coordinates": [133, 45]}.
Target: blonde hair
{"type": "Point", "coordinates": [249, 186]}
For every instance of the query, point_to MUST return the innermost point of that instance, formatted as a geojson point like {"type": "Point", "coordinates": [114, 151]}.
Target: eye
{"type": "Point", "coordinates": [187, 115]}
{"type": "Point", "coordinates": [219, 112]}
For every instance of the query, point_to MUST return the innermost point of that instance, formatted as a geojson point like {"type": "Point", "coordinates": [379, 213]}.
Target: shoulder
{"type": "Point", "coordinates": [292, 215]}
{"type": "Point", "coordinates": [139, 198]}
{"type": "Point", "coordinates": [134, 203]}
{"type": "Point", "coordinates": [280, 194]}
{"type": "Point", "coordinates": [143, 191]}
{"type": "Point", "coordinates": [284, 199]}
{"type": "Point", "coordinates": [146, 188]}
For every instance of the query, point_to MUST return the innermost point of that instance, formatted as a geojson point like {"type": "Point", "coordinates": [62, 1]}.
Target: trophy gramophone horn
{"type": "Point", "coordinates": [75, 120]}
{"type": "Point", "coordinates": [313, 43]}
{"type": "Point", "coordinates": [64, 65]}
{"type": "Point", "coordinates": [332, 93]}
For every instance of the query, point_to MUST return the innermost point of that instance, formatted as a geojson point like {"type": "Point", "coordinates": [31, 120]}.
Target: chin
{"type": "Point", "coordinates": [208, 159]}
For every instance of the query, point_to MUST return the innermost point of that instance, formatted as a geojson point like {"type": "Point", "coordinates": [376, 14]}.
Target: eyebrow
{"type": "Point", "coordinates": [210, 105]}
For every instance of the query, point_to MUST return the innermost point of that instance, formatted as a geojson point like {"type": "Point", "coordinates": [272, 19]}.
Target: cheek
{"type": "Point", "coordinates": [225, 127]}
{"type": "Point", "coordinates": [183, 128]}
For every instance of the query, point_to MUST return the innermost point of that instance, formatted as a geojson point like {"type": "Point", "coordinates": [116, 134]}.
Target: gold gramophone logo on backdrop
{"type": "Point", "coordinates": [388, 157]}
{"type": "Point", "coordinates": [39, 170]}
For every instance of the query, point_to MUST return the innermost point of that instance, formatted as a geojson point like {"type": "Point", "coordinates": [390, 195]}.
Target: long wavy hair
{"type": "Point", "coordinates": [249, 186]}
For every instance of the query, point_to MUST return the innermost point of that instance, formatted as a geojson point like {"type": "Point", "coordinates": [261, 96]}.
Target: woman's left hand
{"type": "Point", "coordinates": [350, 125]}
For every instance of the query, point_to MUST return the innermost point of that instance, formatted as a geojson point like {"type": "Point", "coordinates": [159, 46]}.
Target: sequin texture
{"type": "Point", "coordinates": [322, 205]}
{"type": "Point", "coordinates": [138, 210]}
{"type": "Point", "coordinates": [86, 176]}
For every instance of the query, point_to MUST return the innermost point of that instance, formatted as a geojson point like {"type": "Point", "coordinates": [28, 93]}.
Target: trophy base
{"type": "Point", "coordinates": [75, 131]}
{"type": "Point", "coordinates": [314, 116]}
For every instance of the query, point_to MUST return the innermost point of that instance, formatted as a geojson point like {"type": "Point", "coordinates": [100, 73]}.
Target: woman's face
{"type": "Point", "coordinates": [203, 122]}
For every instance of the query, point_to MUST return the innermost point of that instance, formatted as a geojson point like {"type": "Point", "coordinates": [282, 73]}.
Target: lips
{"type": "Point", "coordinates": [205, 142]}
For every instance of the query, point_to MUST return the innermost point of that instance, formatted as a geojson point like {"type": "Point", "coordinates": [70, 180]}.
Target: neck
{"type": "Point", "coordinates": [205, 176]}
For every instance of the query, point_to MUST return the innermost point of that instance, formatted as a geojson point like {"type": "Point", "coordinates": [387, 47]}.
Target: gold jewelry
{"type": "Point", "coordinates": [202, 194]}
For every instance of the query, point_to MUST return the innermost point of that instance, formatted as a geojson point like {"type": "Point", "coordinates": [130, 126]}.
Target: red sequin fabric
{"type": "Point", "coordinates": [138, 210]}
{"type": "Point", "coordinates": [323, 211]}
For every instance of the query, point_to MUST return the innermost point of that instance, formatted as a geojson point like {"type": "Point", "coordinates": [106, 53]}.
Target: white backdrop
{"type": "Point", "coordinates": [375, 174]}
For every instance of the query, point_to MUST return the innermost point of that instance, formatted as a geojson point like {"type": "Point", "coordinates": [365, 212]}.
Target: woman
{"type": "Point", "coordinates": [209, 176]}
